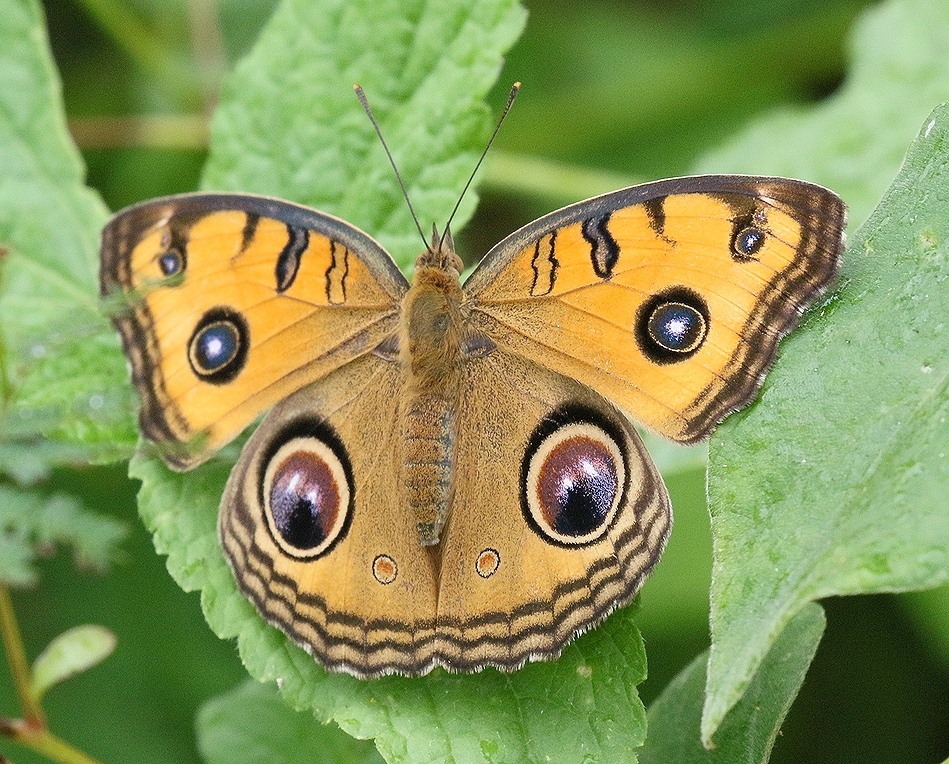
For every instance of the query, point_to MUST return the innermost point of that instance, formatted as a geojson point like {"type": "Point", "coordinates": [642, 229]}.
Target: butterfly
{"type": "Point", "coordinates": [447, 474]}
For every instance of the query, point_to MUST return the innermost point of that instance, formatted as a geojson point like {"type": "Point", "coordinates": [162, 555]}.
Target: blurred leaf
{"type": "Point", "coordinates": [930, 612]}
{"type": "Point", "coordinates": [32, 524]}
{"type": "Point", "coordinates": [155, 44]}
{"type": "Point", "coordinates": [672, 457]}
{"type": "Point", "coordinates": [289, 123]}
{"type": "Point", "coordinates": [674, 599]}
{"type": "Point", "coordinates": [16, 560]}
{"type": "Point", "coordinates": [642, 88]}
{"type": "Point", "coordinates": [139, 705]}
{"type": "Point", "coordinates": [71, 653]}
{"type": "Point", "coordinates": [749, 731]}
{"type": "Point", "coordinates": [854, 142]}
{"type": "Point", "coordinates": [28, 459]}
{"type": "Point", "coordinates": [834, 481]}
{"type": "Point", "coordinates": [64, 373]}
{"type": "Point", "coordinates": [252, 723]}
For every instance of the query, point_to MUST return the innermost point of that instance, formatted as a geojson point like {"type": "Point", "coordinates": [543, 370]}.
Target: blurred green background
{"type": "Point", "coordinates": [614, 93]}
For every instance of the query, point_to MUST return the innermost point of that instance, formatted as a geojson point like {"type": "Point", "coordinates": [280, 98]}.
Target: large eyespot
{"type": "Point", "coordinates": [672, 326]}
{"type": "Point", "coordinates": [307, 494]}
{"type": "Point", "coordinates": [218, 347]}
{"type": "Point", "coordinates": [574, 477]}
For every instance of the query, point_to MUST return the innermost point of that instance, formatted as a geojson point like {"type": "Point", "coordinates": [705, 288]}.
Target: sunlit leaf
{"type": "Point", "coordinates": [834, 481]}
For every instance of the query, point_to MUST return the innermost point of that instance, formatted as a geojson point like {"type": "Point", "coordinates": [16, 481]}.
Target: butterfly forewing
{"type": "Point", "coordinates": [233, 302]}
{"type": "Point", "coordinates": [667, 298]}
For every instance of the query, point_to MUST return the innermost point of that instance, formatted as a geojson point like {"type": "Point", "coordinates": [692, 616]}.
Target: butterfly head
{"type": "Point", "coordinates": [441, 253]}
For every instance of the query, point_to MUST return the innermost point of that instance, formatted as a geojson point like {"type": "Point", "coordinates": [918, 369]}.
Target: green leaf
{"type": "Point", "coordinates": [28, 459]}
{"type": "Point", "coordinates": [252, 723]}
{"type": "Point", "coordinates": [854, 141]}
{"type": "Point", "coordinates": [289, 124]}
{"type": "Point", "coordinates": [672, 458]}
{"type": "Point", "coordinates": [749, 731]}
{"type": "Point", "coordinates": [583, 707]}
{"type": "Point", "coordinates": [62, 366]}
{"type": "Point", "coordinates": [32, 524]}
{"type": "Point", "coordinates": [71, 653]}
{"type": "Point", "coordinates": [834, 481]}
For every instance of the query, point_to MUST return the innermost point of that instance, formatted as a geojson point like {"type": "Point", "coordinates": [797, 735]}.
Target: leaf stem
{"type": "Point", "coordinates": [31, 730]}
{"type": "Point", "coordinates": [153, 131]}
{"type": "Point", "coordinates": [46, 743]}
{"type": "Point", "coordinates": [16, 657]}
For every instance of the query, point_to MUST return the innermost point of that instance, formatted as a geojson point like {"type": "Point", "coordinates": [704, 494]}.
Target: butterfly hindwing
{"type": "Point", "coordinates": [314, 523]}
{"type": "Point", "coordinates": [558, 516]}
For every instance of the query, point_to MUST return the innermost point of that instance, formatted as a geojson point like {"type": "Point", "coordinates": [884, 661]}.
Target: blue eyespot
{"type": "Point", "coordinates": [672, 325]}
{"type": "Point", "coordinates": [218, 347]}
{"type": "Point", "coordinates": [747, 242]}
{"type": "Point", "coordinates": [171, 263]}
{"type": "Point", "coordinates": [676, 327]}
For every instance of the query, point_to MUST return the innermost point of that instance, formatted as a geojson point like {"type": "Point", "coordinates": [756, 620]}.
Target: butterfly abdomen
{"type": "Point", "coordinates": [429, 430]}
{"type": "Point", "coordinates": [432, 328]}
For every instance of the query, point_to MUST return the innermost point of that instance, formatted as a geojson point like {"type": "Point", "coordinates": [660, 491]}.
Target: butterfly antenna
{"type": "Point", "coordinates": [365, 105]}
{"type": "Point", "coordinates": [510, 102]}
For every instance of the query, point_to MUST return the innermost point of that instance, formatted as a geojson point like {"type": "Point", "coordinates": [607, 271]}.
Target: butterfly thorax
{"type": "Point", "coordinates": [433, 325]}
{"type": "Point", "coordinates": [433, 333]}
